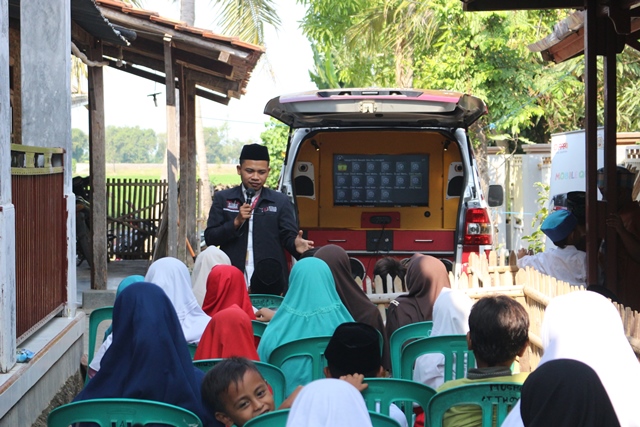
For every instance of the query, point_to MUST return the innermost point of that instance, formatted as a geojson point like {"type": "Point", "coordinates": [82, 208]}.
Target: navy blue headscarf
{"type": "Point", "coordinates": [149, 358]}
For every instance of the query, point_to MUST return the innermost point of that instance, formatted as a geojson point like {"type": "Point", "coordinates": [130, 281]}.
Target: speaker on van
{"type": "Point", "coordinates": [304, 180]}
{"type": "Point", "coordinates": [455, 180]}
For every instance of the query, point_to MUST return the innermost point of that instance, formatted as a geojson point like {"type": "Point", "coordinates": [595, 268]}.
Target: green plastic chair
{"type": "Point", "coordinates": [495, 399]}
{"type": "Point", "coordinates": [449, 345]}
{"type": "Point", "coordinates": [306, 347]}
{"type": "Point", "coordinates": [265, 300]}
{"type": "Point", "coordinates": [382, 392]}
{"type": "Point", "coordinates": [400, 336]}
{"type": "Point", "coordinates": [258, 328]}
{"type": "Point", "coordinates": [110, 412]}
{"type": "Point", "coordinates": [380, 420]}
{"type": "Point", "coordinates": [270, 419]}
{"type": "Point", "coordinates": [97, 316]}
{"type": "Point", "coordinates": [272, 375]}
{"type": "Point", "coordinates": [192, 349]}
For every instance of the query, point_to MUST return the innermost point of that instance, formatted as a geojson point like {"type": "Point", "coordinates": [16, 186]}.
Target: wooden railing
{"type": "Point", "coordinates": [493, 274]}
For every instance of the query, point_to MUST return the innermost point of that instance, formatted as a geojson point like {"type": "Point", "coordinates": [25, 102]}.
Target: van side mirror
{"type": "Point", "coordinates": [495, 196]}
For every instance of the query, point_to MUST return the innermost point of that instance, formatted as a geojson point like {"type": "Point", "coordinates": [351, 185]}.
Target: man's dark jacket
{"type": "Point", "coordinates": [274, 227]}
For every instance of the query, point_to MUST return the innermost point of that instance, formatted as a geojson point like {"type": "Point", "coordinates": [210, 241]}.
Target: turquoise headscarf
{"type": "Point", "coordinates": [121, 287]}
{"type": "Point", "coordinates": [311, 307]}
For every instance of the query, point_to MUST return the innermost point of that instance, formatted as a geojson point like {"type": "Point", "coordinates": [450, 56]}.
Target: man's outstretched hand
{"type": "Point", "coordinates": [303, 245]}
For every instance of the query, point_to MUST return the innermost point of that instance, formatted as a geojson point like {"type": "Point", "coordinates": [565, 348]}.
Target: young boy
{"type": "Point", "coordinates": [352, 354]}
{"type": "Point", "coordinates": [236, 392]}
{"type": "Point", "coordinates": [498, 333]}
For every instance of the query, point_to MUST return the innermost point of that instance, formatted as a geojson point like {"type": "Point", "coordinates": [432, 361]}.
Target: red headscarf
{"type": "Point", "coordinates": [229, 333]}
{"type": "Point", "coordinates": [225, 287]}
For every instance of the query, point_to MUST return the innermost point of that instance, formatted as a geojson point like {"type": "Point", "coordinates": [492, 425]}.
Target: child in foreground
{"type": "Point", "coordinates": [498, 333]}
{"type": "Point", "coordinates": [236, 392]}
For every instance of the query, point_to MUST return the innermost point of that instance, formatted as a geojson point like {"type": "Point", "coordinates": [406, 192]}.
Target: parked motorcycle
{"type": "Point", "coordinates": [81, 190]}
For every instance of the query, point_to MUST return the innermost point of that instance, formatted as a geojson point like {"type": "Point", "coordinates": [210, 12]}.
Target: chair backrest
{"type": "Point", "coordinates": [495, 399]}
{"type": "Point", "coordinates": [272, 375]}
{"type": "Point", "coordinates": [306, 347]}
{"type": "Point", "coordinates": [380, 420]}
{"type": "Point", "coordinates": [97, 316]}
{"type": "Point", "coordinates": [109, 412]}
{"type": "Point", "coordinates": [401, 336]}
{"type": "Point", "coordinates": [265, 300]}
{"type": "Point", "coordinates": [454, 348]}
{"type": "Point", "coordinates": [382, 392]}
{"type": "Point", "coordinates": [270, 419]}
{"type": "Point", "coordinates": [258, 328]}
{"type": "Point", "coordinates": [192, 349]}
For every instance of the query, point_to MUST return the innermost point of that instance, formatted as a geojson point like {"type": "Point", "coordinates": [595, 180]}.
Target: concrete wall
{"type": "Point", "coordinates": [28, 389]}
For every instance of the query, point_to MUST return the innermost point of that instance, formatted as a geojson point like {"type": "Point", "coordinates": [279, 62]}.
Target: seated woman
{"type": "Point", "coordinates": [310, 308]}
{"type": "Point", "coordinates": [352, 295]}
{"type": "Point", "coordinates": [426, 277]}
{"type": "Point", "coordinates": [228, 334]}
{"type": "Point", "coordinates": [94, 365]}
{"type": "Point", "coordinates": [585, 326]}
{"type": "Point", "coordinates": [225, 287]}
{"type": "Point", "coordinates": [205, 261]}
{"type": "Point", "coordinates": [173, 277]}
{"type": "Point", "coordinates": [328, 403]}
{"type": "Point", "coordinates": [148, 358]}
{"type": "Point", "coordinates": [450, 317]}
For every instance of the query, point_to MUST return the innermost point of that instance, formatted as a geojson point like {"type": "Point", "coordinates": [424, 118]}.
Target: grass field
{"type": "Point", "coordinates": [218, 174]}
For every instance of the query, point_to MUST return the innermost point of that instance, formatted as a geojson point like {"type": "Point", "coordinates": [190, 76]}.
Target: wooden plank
{"type": "Point", "coordinates": [98, 171]}
{"type": "Point", "coordinates": [172, 156]}
{"type": "Point", "coordinates": [184, 168]}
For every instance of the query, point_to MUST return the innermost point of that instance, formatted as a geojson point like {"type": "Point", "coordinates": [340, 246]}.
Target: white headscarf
{"type": "Point", "coordinates": [207, 259]}
{"type": "Point", "coordinates": [173, 277]}
{"type": "Point", "coordinates": [450, 317]}
{"type": "Point", "coordinates": [586, 327]}
{"type": "Point", "coordinates": [329, 403]}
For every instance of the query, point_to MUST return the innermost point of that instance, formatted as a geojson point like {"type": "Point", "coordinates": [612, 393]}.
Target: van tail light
{"type": "Point", "coordinates": [477, 227]}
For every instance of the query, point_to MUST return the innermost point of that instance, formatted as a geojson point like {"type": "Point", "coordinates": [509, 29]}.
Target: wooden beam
{"type": "Point", "coordinates": [212, 82]}
{"type": "Point", "coordinates": [172, 152]}
{"type": "Point", "coordinates": [97, 171]}
{"type": "Point", "coordinates": [160, 79]}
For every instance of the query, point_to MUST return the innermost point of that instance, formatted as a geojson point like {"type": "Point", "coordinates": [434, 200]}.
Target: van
{"type": "Point", "coordinates": [386, 172]}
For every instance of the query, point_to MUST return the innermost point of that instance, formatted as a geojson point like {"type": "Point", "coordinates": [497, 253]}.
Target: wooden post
{"type": "Point", "coordinates": [172, 152]}
{"type": "Point", "coordinates": [192, 209]}
{"type": "Point", "coordinates": [184, 167]}
{"type": "Point", "coordinates": [7, 211]}
{"type": "Point", "coordinates": [98, 171]}
{"type": "Point", "coordinates": [610, 143]}
{"type": "Point", "coordinates": [591, 135]}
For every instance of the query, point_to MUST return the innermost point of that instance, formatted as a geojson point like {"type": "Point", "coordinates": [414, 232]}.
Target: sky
{"type": "Point", "coordinates": [283, 69]}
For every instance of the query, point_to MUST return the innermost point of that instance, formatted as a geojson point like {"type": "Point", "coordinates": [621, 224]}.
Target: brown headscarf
{"type": "Point", "coordinates": [425, 278]}
{"type": "Point", "coordinates": [352, 296]}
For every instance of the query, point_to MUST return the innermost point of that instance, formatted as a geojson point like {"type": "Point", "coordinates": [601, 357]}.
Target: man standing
{"type": "Point", "coordinates": [250, 222]}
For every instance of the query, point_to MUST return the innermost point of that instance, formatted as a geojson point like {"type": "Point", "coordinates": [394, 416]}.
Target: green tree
{"type": "Point", "coordinates": [130, 145]}
{"type": "Point", "coordinates": [79, 145]}
{"type": "Point", "coordinates": [275, 138]}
